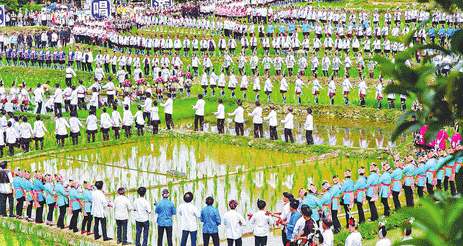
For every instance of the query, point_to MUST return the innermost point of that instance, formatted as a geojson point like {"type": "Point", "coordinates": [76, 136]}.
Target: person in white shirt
{"type": "Point", "coordinates": [308, 125]}
{"type": "Point", "coordinates": [91, 124]}
{"type": "Point", "coordinates": [39, 96]}
{"type": "Point", "coordinates": [273, 122]}
{"type": "Point", "coordinates": [116, 121]}
{"type": "Point", "coordinates": [110, 91]}
{"type": "Point", "coordinates": [220, 115]}
{"type": "Point", "coordinates": [39, 132]}
{"type": "Point", "coordinates": [199, 115]}
{"type": "Point", "coordinates": [74, 126]}
{"type": "Point", "coordinates": [142, 211]}
{"type": "Point", "coordinates": [354, 238]}
{"type": "Point", "coordinates": [168, 110]}
{"type": "Point", "coordinates": [11, 137]}
{"type": "Point", "coordinates": [58, 96]}
{"type": "Point", "coordinates": [262, 223]}
{"type": "Point", "coordinates": [268, 87]}
{"type": "Point", "coordinates": [105, 124]}
{"type": "Point", "coordinates": [154, 117]}
{"type": "Point", "coordinates": [122, 208]}
{"type": "Point", "coordinates": [328, 236]}
{"type": "Point", "coordinates": [239, 119]}
{"type": "Point", "coordinates": [189, 215]}
{"type": "Point", "coordinates": [61, 132]}
{"type": "Point", "coordinates": [26, 134]}
{"type": "Point", "coordinates": [233, 221]}
{"type": "Point", "coordinates": [127, 121]}
{"type": "Point", "coordinates": [346, 86]}
{"type": "Point", "coordinates": [99, 211]}
{"type": "Point", "coordinates": [289, 125]}
{"type": "Point", "coordinates": [382, 232]}
{"type": "Point", "coordinates": [257, 120]}
{"type": "Point", "coordinates": [139, 121]}
{"type": "Point", "coordinates": [6, 193]}
{"type": "Point", "coordinates": [69, 74]}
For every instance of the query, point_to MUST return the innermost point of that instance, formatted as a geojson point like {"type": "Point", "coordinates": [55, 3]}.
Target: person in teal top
{"type": "Point", "coordinates": [75, 198]}
{"type": "Point", "coordinates": [439, 167]}
{"type": "Point", "coordinates": [305, 28]}
{"type": "Point", "coordinates": [359, 188]}
{"type": "Point", "coordinates": [295, 215]}
{"type": "Point", "coordinates": [291, 28]}
{"type": "Point", "coordinates": [347, 191]}
{"type": "Point", "coordinates": [408, 172]}
{"type": "Point", "coordinates": [270, 30]}
{"type": "Point", "coordinates": [18, 185]}
{"type": "Point", "coordinates": [38, 196]}
{"type": "Point", "coordinates": [325, 200]}
{"type": "Point", "coordinates": [62, 200]}
{"type": "Point", "coordinates": [87, 198]}
{"type": "Point", "coordinates": [385, 182]}
{"type": "Point", "coordinates": [28, 187]}
{"type": "Point", "coordinates": [449, 171]}
{"type": "Point", "coordinates": [396, 178]}
{"type": "Point", "coordinates": [420, 174]}
{"type": "Point", "coordinates": [431, 172]}
{"type": "Point", "coordinates": [313, 202]}
{"type": "Point", "coordinates": [282, 29]}
{"type": "Point", "coordinates": [372, 191]}
{"type": "Point", "coordinates": [335, 195]}
{"type": "Point", "coordinates": [49, 198]}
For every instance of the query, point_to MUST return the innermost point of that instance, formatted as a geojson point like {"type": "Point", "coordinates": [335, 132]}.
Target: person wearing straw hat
{"type": "Point", "coordinates": [354, 238]}
{"type": "Point", "coordinates": [385, 183]}
{"type": "Point", "coordinates": [409, 183]}
{"type": "Point", "coordinates": [233, 221]}
{"type": "Point", "coordinates": [360, 187]}
{"type": "Point", "coordinates": [165, 209]}
{"type": "Point", "coordinates": [372, 191]}
{"type": "Point", "coordinates": [396, 179]}
{"type": "Point", "coordinates": [347, 191]}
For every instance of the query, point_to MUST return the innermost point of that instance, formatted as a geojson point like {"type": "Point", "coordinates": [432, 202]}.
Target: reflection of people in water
{"type": "Point", "coordinates": [379, 139]}
{"type": "Point", "coordinates": [346, 139]}
{"type": "Point", "coordinates": [391, 143]}
{"type": "Point", "coordinates": [317, 138]}
{"type": "Point", "coordinates": [363, 143]}
{"type": "Point", "coordinates": [332, 138]}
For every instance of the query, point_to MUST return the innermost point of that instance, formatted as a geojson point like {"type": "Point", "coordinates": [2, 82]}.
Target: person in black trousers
{"type": "Point", "coordinates": [309, 127]}
{"type": "Point", "coordinates": [272, 122]}
{"type": "Point", "coordinates": [361, 181]}
{"type": "Point", "coordinates": [289, 125]}
{"type": "Point", "coordinates": [6, 178]}
{"type": "Point", "coordinates": [220, 114]}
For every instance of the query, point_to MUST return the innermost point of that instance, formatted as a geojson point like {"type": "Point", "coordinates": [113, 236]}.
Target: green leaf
{"type": "Point", "coordinates": [457, 42]}
{"type": "Point", "coordinates": [401, 128]}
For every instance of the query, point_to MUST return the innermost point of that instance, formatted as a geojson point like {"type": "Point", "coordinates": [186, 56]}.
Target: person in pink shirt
{"type": "Point", "coordinates": [456, 138]}
{"type": "Point", "coordinates": [441, 139]}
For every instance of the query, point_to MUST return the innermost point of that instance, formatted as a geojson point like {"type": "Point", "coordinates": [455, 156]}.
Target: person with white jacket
{"type": "Point", "coordinates": [268, 87]}
{"type": "Point", "coordinates": [155, 121]}
{"type": "Point", "coordinates": [262, 223]}
{"type": "Point", "coordinates": [105, 124]}
{"type": "Point", "coordinates": [168, 110]}
{"type": "Point", "coordinates": [220, 115]}
{"type": "Point", "coordinates": [257, 120]}
{"type": "Point", "coordinates": [127, 121]}
{"type": "Point", "coordinates": [239, 119]}
{"type": "Point", "coordinates": [272, 122]}
{"type": "Point", "coordinates": [199, 115]}
{"type": "Point", "coordinates": [233, 222]}
{"type": "Point", "coordinates": [288, 125]}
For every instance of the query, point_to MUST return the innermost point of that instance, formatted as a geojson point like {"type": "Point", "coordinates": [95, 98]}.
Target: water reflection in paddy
{"type": "Point", "coordinates": [208, 169]}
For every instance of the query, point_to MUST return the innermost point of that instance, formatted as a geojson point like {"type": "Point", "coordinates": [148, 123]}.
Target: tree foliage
{"type": "Point", "coordinates": [10, 4]}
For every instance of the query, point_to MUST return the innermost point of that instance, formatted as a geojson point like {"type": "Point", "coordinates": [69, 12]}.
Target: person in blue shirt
{"type": "Point", "coordinates": [306, 28]}
{"type": "Point", "coordinates": [396, 179]}
{"type": "Point", "coordinates": [408, 171]}
{"type": "Point", "coordinates": [295, 215]}
{"type": "Point", "coordinates": [211, 220]}
{"type": "Point", "coordinates": [165, 209]}
{"type": "Point", "coordinates": [312, 201]}
{"type": "Point", "coordinates": [385, 182]}
{"type": "Point", "coordinates": [62, 200]}
{"type": "Point", "coordinates": [372, 191]}
{"type": "Point", "coordinates": [335, 203]}
{"type": "Point", "coordinates": [19, 192]}
{"type": "Point", "coordinates": [27, 186]}
{"type": "Point", "coordinates": [440, 171]}
{"type": "Point", "coordinates": [325, 200]}
{"type": "Point", "coordinates": [39, 198]}
{"type": "Point", "coordinates": [359, 188]}
{"type": "Point", "coordinates": [450, 31]}
{"type": "Point", "coordinates": [420, 174]}
{"type": "Point", "coordinates": [431, 172]}
{"type": "Point", "coordinates": [49, 193]}
{"type": "Point", "coordinates": [347, 192]}
{"type": "Point", "coordinates": [291, 28]}
{"type": "Point", "coordinates": [449, 169]}
{"type": "Point", "coordinates": [432, 33]}
{"type": "Point", "coordinates": [442, 34]}
{"type": "Point", "coordinates": [88, 217]}
{"type": "Point", "coordinates": [75, 199]}
{"type": "Point", "coordinates": [282, 29]}
{"type": "Point", "coordinates": [270, 30]}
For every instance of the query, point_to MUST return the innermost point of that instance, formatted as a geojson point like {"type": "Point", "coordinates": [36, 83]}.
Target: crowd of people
{"type": "Point", "coordinates": [312, 215]}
